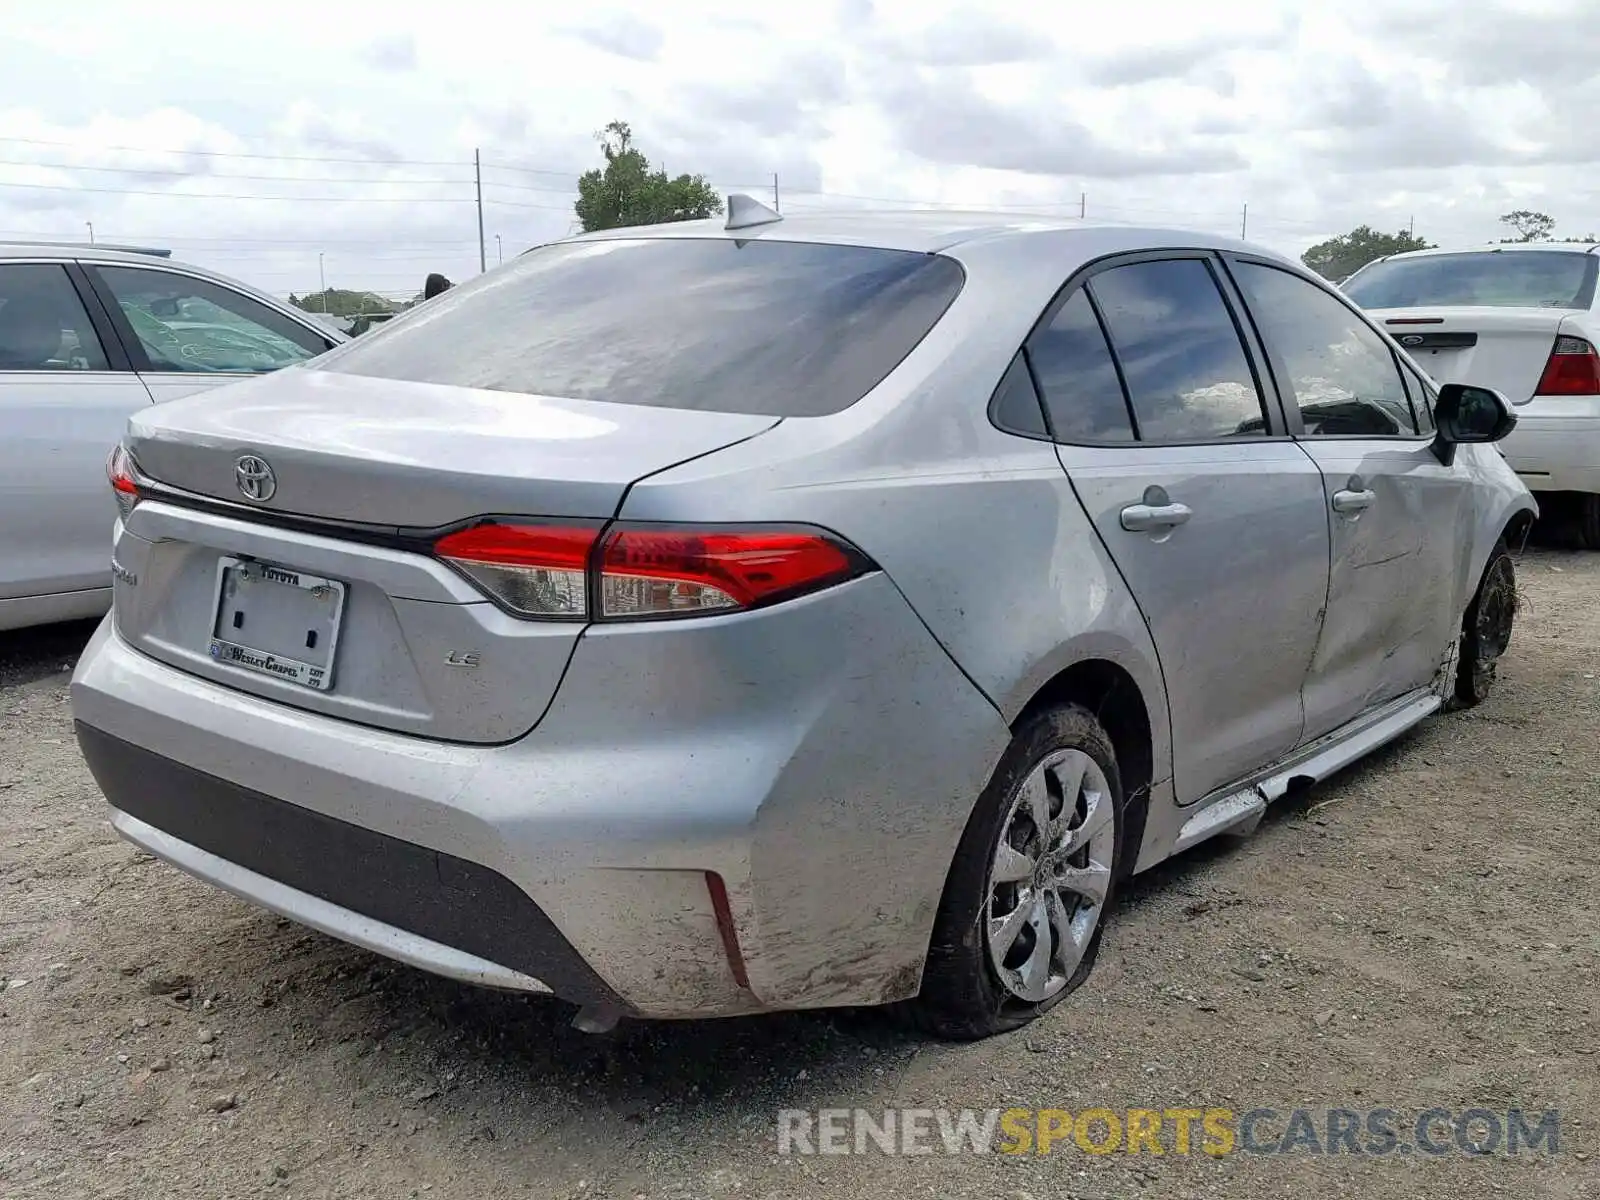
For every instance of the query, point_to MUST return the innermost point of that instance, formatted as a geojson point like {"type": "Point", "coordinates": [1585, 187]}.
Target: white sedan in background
{"type": "Point", "coordinates": [88, 336]}
{"type": "Point", "coordinates": [1520, 318]}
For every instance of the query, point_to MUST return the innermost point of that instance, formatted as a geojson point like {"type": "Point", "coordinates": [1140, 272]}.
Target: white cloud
{"type": "Point", "coordinates": [267, 135]}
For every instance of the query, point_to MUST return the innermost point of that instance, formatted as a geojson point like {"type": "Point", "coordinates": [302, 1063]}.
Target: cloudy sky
{"type": "Point", "coordinates": [254, 138]}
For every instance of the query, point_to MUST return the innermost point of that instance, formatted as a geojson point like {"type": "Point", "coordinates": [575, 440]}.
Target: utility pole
{"type": "Point", "coordinates": [1244, 220]}
{"type": "Point", "coordinates": [477, 174]}
{"type": "Point", "coordinates": [322, 281]}
{"type": "Point", "coordinates": [499, 250]}
{"type": "Point", "coordinates": [777, 206]}
{"type": "Point", "coordinates": [1083, 205]}
{"type": "Point", "coordinates": [1412, 228]}
{"type": "Point", "coordinates": [90, 224]}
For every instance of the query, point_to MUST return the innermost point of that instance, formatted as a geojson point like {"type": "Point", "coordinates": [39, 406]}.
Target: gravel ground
{"type": "Point", "coordinates": [1420, 932]}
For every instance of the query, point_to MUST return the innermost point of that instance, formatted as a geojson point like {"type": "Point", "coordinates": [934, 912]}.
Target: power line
{"type": "Point", "coordinates": [386, 180]}
{"type": "Point", "coordinates": [53, 187]}
{"type": "Point", "coordinates": [286, 243]}
{"type": "Point", "coordinates": [7, 162]}
{"type": "Point", "coordinates": [370, 162]}
{"type": "Point", "coordinates": [505, 166]}
{"type": "Point", "coordinates": [517, 204]}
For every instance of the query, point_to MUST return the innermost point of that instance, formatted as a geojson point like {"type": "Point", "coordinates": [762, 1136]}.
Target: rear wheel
{"type": "Point", "coordinates": [1023, 911]}
{"type": "Point", "coordinates": [1588, 521]}
{"type": "Point", "coordinates": [1486, 630]}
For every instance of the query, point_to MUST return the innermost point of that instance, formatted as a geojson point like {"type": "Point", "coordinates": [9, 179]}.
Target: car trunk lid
{"type": "Point", "coordinates": [1502, 348]}
{"type": "Point", "coordinates": [419, 455]}
{"type": "Point", "coordinates": [323, 594]}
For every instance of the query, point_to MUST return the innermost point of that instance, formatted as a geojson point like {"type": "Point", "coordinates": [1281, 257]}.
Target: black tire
{"type": "Point", "coordinates": [962, 997]}
{"type": "Point", "coordinates": [1486, 629]}
{"type": "Point", "coordinates": [1588, 521]}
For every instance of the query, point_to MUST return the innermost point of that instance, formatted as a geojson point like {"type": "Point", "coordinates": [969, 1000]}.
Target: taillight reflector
{"type": "Point", "coordinates": [1573, 369]}
{"type": "Point", "coordinates": [533, 570]}
{"type": "Point", "coordinates": [124, 481]}
{"type": "Point", "coordinates": [562, 572]}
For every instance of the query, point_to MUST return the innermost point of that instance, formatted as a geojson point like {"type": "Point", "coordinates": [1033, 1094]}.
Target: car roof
{"type": "Point", "coordinates": [84, 252]}
{"type": "Point", "coordinates": [1497, 248]}
{"type": "Point", "coordinates": [929, 232]}
{"type": "Point", "coordinates": [36, 247]}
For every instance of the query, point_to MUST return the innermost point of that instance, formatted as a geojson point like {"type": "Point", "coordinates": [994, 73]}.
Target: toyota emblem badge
{"type": "Point", "coordinates": [255, 478]}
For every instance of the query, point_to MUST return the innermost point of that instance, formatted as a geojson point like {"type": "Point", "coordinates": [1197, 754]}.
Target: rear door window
{"type": "Point", "coordinates": [1187, 373]}
{"type": "Point", "coordinates": [1016, 403]}
{"type": "Point", "coordinates": [43, 324]}
{"type": "Point", "coordinates": [1078, 378]}
{"type": "Point", "coordinates": [788, 329]}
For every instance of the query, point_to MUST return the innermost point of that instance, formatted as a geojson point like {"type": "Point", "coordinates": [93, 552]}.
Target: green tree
{"type": "Point", "coordinates": [1530, 226]}
{"type": "Point", "coordinates": [1339, 258]}
{"type": "Point", "coordinates": [628, 192]}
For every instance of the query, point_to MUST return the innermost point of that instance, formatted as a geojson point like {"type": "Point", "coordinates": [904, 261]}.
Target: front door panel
{"type": "Point", "coordinates": [1398, 518]}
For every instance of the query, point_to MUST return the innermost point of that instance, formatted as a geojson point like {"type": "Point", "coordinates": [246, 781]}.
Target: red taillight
{"type": "Point", "coordinates": [1572, 370]}
{"type": "Point", "coordinates": [648, 572]}
{"type": "Point", "coordinates": [124, 482]}
{"type": "Point", "coordinates": [533, 570]}
{"type": "Point", "coordinates": [642, 571]}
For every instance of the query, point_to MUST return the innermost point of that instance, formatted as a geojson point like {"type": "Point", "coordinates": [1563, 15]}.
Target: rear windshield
{"type": "Point", "coordinates": [1493, 279]}
{"type": "Point", "coordinates": [760, 327]}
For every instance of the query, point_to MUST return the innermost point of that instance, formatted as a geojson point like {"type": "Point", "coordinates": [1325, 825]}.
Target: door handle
{"type": "Point", "coordinates": [1348, 501]}
{"type": "Point", "coordinates": [1141, 518]}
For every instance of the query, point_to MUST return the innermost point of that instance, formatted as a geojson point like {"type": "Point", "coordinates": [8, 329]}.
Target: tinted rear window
{"type": "Point", "coordinates": [1493, 279]}
{"type": "Point", "coordinates": [774, 328]}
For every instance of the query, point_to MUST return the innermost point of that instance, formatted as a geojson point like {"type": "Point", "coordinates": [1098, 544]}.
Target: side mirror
{"type": "Point", "coordinates": [1465, 415]}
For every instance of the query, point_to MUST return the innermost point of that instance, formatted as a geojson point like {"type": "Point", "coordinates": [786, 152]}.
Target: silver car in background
{"type": "Point", "coordinates": [826, 610]}
{"type": "Point", "coordinates": [90, 335]}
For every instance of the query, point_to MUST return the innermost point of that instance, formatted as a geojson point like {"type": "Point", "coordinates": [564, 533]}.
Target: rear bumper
{"type": "Point", "coordinates": [432, 910]}
{"type": "Point", "coordinates": [820, 759]}
{"type": "Point", "coordinates": [1556, 452]}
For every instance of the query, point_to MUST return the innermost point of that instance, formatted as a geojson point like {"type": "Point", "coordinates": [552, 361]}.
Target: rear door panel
{"type": "Point", "coordinates": [1233, 597]}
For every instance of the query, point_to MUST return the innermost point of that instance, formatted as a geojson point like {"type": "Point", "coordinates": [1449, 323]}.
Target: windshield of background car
{"type": "Point", "coordinates": [790, 329]}
{"type": "Point", "coordinates": [1494, 279]}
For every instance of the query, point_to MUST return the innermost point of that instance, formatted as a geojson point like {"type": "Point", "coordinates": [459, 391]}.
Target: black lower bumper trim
{"type": "Point", "coordinates": [438, 896]}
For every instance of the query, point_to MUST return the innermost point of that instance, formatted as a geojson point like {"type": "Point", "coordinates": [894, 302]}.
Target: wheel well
{"type": "Point", "coordinates": [1517, 530]}
{"type": "Point", "coordinates": [1110, 693]}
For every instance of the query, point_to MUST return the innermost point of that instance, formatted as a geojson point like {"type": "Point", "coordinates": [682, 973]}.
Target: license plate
{"type": "Point", "coordinates": [277, 621]}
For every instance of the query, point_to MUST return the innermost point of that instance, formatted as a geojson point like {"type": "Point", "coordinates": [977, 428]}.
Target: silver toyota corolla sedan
{"type": "Point", "coordinates": [825, 610]}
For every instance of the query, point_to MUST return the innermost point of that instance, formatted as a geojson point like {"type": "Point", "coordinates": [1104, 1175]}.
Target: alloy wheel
{"type": "Point", "coordinates": [1050, 876]}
